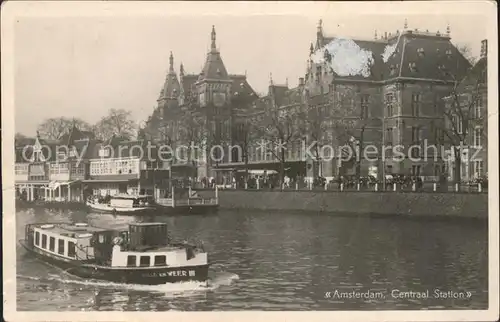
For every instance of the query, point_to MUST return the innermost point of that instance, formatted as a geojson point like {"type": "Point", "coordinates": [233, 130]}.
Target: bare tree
{"type": "Point", "coordinates": [118, 122]}
{"type": "Point", "coordinates": [245, 131]}
{"type": "Point", "coordinates": [55, 128]}
{"type": "Point", "coordinates": [462, 113]}
{"type": "Point", "coordinates": [192, 132]}
{"type": "Point", "coordinates": [280, 127]}
{"type": "Point", "coordinates": [345, 117]}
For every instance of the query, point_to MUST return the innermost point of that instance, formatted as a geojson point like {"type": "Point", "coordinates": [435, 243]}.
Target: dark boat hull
{"type": "Point", "coordinates": [145, 276]}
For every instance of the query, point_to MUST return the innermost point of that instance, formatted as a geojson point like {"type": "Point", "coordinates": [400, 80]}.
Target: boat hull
{"type": "Point", "coordinates": [121, 211]}
{"type": "Point", "coordinates": [136, 275]}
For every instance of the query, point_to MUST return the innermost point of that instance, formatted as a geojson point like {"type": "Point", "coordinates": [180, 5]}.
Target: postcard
{"type": "Point", "coordinates": [250, 160]}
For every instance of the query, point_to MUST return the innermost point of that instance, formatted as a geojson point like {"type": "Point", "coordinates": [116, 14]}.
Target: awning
{"type": "Point", "coordinates": [262, 172]}
{"type": "Point", "coordinates": [55, 184]}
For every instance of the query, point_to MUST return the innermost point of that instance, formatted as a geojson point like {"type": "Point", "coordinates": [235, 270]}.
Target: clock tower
{"type": "Point", "coordinates": [213, 88]}
{"type": "Point", "coordinates": [214, 83]}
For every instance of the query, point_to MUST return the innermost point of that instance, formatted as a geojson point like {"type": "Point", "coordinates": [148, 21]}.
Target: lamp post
{"type": "Point", "coordinates": [382, 154]}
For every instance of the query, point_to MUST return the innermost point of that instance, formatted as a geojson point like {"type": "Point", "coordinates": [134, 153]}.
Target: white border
{"type": "Point", "coordinates": [12, 9]}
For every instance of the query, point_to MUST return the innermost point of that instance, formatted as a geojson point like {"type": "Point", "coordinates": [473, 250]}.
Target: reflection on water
{"type": "Point", "coordinates": [265, 261]}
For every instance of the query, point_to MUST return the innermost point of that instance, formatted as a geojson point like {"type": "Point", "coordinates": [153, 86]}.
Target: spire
{"type": "Point", "coordinates": [406, 24]}
{"type": "Point", "coordinates": [319, 35]}
{"type": "Point", "coordinates": [448, 30]}
{"type": "Point", "coordinates": [271, 79]}
{"type": "Point", "coordinates": [171, 86]}
{"type": "Point", "coordinates": [213, 47]}
{"type": "Point", "coordinates": [311, 49]}
{"type": "Point", "coordinates": [286, 82]}
{"type": "Point", "coordinates": [214, 67]}
{"type": "Point", "coordinates": [376, 34]}
{"type": "Point", "coordinates": [181, 70]}
{"type": "Point", "coordinates": [320, 26]}
{"type": "Point", "coordinates": [171, 60]}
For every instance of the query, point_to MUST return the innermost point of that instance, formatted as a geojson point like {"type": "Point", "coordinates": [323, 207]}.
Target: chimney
{"type": "Point", "coordinates": [301, 81]}
{"type": "Point", "coordinates": [385, 35]}
{"type": "Point", "coordinates": [484, 48]}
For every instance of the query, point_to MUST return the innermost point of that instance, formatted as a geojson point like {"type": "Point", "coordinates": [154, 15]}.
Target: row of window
{"type": "Point", "coordinates": [21, 168]}
{"type": "Point", "coordinates": [59, 168]}
{"type": "Point", "coordinates": [106, 167]}
{"type": "Point", "coordinates": [159, 260]}
{"type": "Point", "coordinates": [42, 243]}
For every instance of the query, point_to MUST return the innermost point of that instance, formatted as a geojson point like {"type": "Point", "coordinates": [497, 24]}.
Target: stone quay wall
{"type": "Point", "coordinates": [435, 204]}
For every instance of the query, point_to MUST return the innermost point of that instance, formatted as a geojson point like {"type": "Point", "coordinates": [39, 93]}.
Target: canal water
{"type": "Point", "coordinates": [279, 261]}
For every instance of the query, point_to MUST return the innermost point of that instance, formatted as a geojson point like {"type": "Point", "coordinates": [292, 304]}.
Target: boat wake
{"type": "Point", "coordinates": [168, 289]}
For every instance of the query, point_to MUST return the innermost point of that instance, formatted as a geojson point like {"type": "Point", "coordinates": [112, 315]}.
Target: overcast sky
{"type": "Point", "coordinates": [83, 66]}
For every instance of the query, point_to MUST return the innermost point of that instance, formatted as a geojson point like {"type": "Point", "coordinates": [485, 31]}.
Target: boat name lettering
{"type": "Point", "coordinates": [172, 273]}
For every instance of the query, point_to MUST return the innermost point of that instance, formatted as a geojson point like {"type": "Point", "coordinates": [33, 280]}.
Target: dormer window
{"type": "Point", "coordinates": [442, 68]}
{"type": "Point", "coordinates": [218, 71]}
{"type": "Point", "coordinates": [421, 52]}
{"type": "Point", "coordinates": [413, 67]}
{"type": "Point", "coordinates": [393, 69]}
{"type": "Point", "coordinates": [448, 53]}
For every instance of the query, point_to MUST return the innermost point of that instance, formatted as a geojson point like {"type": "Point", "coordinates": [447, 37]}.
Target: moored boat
{"type": "Point", "coordinates": [123, 204]}
{"type": "Point", "coordinates": [143, 254]}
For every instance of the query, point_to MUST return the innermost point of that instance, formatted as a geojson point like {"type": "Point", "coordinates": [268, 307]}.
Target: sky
{"type": "Point", "coordinates": [81, 66]}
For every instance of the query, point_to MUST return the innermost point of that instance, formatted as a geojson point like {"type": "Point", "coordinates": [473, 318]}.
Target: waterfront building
{"type": "Point", "coordinates": [77, 166]}
{"type": "Point", "coordinates": [397, 101]}
{"type": "Point", "coordinates": [52, 170]}
{"type": "Point", "coordinates": [119, 166]}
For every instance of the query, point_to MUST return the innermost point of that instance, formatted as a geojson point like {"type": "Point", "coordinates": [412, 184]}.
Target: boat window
{"type": "Point", "coordinates": [60, 248]}
{"type": "Point", "coordinates": [160, 260]}
{"type": "Point", "coordinates": [52, 244]}
{"type": "Point", "coordinates": [37, 238]}
{"type": "Point", "coordinates": [71, 249]}
{"type": "Point", "coordinates": [145, 260]}
{"type": "Point", "coordinates": [131, 260]}
{"type": "Point", "coordinates": [44, 241]}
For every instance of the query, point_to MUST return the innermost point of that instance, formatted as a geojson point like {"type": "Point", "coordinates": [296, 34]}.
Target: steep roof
{"type": "Point", "coordinates": [410, 54]}
{"type": "Point", "coordinates": [241, 86]}
{"type": "Point", "coordinates": [214, 68]}
{"type": "Point", "coordinates": [171, 86]}
{"type": "Point", "coordinates": [434, 57]}
{"type": "Point", "coordinates": [75, 134]}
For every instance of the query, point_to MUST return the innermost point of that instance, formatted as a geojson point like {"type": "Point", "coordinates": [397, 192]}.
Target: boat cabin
{"type": "Point", "coordinates": [130, 201]}
{"type": "Point", "coordinates": [65, 241]}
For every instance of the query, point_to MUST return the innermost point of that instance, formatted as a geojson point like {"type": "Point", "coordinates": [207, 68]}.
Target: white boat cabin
{"type": "Point", "coordinates": [131, 201]}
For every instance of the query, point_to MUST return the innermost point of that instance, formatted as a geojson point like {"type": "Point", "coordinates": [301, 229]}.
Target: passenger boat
{"type": "Point", "coordinates": [143, 254]}
{"type": "Point", "coordinates": [123, 204]}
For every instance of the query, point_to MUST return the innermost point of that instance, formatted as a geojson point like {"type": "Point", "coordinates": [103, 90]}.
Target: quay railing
{"type": "Point", "coordinates": [424, 187]}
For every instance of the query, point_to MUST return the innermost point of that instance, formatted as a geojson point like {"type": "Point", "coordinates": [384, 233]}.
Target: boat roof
{"type": "Point", "coordinates": [148, 224]}
{"type": "Point", "coordinates": [126, 196]}
{"type": "Point", "coordinates": [69, 228]}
